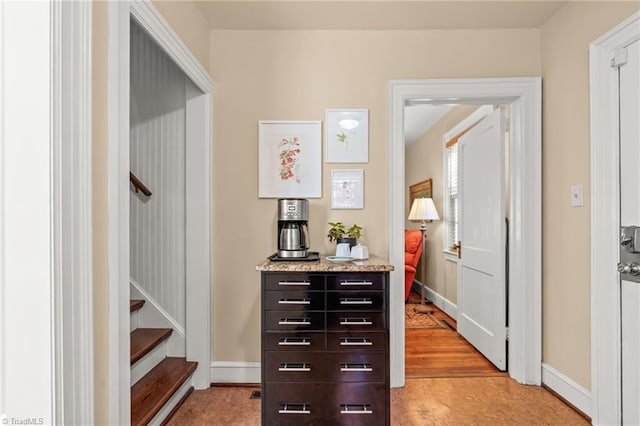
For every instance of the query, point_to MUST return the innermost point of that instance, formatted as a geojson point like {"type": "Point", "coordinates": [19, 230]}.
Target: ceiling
{"type": "Point", "coordinates": [420, 118]}
{"type": "Point", "coordinates": [375, 15]}
{"type": "Point", "coordinates": [380, 15]}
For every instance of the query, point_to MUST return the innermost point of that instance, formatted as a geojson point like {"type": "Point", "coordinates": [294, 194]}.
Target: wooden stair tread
{"type": "Point", "coordinates": [134, 305]}
{"type": "Point", "coordinates": [143, 340]}
{"type": "Point", "coordinates": [149, 395]}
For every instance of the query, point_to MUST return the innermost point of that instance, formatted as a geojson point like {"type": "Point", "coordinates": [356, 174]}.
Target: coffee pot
{"type": "Point", "coordinates": [293, 234]}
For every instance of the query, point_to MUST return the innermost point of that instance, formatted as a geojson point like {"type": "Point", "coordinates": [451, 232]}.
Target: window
{"type": "Point", "coordinates": [451, 195]}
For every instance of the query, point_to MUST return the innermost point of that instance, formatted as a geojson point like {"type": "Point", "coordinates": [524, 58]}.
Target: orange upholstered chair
{"type": "Point", "coordinates": [412, 252]}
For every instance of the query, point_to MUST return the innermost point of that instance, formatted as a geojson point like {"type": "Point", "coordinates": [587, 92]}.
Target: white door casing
{"type": "Point", "coordinates": [524, 96]}
{"type": "Point", "coordinates": [481, 267]}
{"type": "Point", "coordinates": [629, 92]}
{"type": "Point", "coordinates": [605, 189]}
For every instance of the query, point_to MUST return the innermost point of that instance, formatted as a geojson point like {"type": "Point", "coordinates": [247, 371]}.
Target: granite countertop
{"type": "Point", "coordinates": [373, 264]}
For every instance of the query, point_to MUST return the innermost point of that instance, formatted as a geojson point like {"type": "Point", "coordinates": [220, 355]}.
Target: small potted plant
{"type": "Point", "coordinates": [339, 233]}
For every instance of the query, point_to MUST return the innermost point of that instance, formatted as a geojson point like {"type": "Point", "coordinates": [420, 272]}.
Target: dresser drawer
{"type": "Point", "coordinates": [356, 281]}
{"type": "Point", "coordinates": [294, 300]}
{"type": "Point", "coordinates": [355, 300]}
{"type": "Point", "coordinates": [294, 320]}
{"type": "Point", "coordinates": [324, 367]}
{"type": "Point", "coordinates": [295, 341]}
{"type": "Point", "coordinates": [294, 366]}
{"type": "Point", "coordinates": [293, 281]}
{"type": "Point", "coordinates": [325, 404]}
{"type": "Point", "coordinates": [361, 321]}
{"type": "Point", "coordinates": [355, 367]}
{"type": "Point", "coordinates": [356, 341]}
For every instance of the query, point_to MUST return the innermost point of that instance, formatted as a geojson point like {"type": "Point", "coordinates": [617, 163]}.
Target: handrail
{"type": "Point", "coordinates": [138, 185]}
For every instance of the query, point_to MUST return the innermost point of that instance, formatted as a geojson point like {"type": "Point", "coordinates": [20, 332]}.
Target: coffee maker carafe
{"type": "Point", "coordinates": [293, 235]}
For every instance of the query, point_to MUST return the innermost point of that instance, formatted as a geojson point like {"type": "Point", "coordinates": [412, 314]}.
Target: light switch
{"type": "Point", "coordinates": [576, 196]}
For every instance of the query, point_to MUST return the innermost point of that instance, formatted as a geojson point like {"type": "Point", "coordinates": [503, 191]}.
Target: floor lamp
{"type": "Point", "coordinates": [423, 210]}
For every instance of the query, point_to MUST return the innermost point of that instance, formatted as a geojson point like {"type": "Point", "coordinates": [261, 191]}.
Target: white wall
{"type": "Point", "coordinates": [158, 108]}
{"type": "Point", "coordinates": [27, 353]}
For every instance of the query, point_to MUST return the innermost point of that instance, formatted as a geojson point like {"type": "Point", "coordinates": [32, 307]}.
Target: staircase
{"type": "Point", "coordinates": [159, 383]}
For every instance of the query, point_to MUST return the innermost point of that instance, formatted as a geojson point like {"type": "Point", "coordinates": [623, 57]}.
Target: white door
{"type": "Point", "coordinates": [630, 215]}
{"type": "Point", "coordinates": [481, 267]}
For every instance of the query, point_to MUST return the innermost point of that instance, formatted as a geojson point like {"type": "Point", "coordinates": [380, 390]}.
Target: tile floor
{"type": "Point", "coordinates": [422, 402]}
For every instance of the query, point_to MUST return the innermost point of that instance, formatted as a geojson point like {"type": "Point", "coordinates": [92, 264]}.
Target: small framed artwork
{"type": "Point", "coordinates": [420, 190]}
{"type": "Point", "coordinates": [347, 189]}
{"type": "Point", "coordinates": [289, 159]}
{"type": "Point", "coordinates": [347, 136]}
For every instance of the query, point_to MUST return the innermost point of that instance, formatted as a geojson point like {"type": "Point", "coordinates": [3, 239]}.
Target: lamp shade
{"type": "Point", "coordinates": [423, 209]}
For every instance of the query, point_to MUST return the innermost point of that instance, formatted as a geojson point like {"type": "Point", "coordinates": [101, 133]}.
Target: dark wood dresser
{"type": "Point", "coordinates": [325, 343]}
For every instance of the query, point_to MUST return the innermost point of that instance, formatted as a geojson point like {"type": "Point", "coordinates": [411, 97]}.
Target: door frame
{"type": "Point", "coordinates": [605, 188]}
{"type": "Point", "coordinates": [524, 94]}
{"type": "Point", "coordinates": [199, 248]}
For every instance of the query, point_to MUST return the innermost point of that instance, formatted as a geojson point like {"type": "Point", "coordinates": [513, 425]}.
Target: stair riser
{"type": "Point", "coordinates": [133, 321]}
{"type": "Point", "coordinates": [153, 316]}
{"type": "Point", "coordinates": [173, 401]}
{"type": "Point", "coordinates": [147, 362]}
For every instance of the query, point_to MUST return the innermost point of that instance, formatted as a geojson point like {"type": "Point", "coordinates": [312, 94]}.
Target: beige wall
{"type": "Point", "coordinates": [424, 159]}
{"type": "Point", "coordinates": [188, 22]}
{"type": "Point", "coordinates": [565, 42]}
{"type": "Point", "coordinates": [191, 27]}
{"type": "Point", "coordinates": [295, 75]}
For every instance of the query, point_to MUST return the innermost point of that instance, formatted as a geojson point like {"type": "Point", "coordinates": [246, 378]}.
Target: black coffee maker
{"type": "Point", "coordinates": [293, 235]}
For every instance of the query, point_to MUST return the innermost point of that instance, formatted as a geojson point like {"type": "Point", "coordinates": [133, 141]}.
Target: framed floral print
{"type": "Point", "coordinates": [347, 136]}
{"type": "Point", "coordinates": [289, 159]}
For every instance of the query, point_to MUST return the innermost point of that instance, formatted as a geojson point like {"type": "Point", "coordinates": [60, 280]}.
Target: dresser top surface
{"type": "Point", "coordinates": [373, 264]}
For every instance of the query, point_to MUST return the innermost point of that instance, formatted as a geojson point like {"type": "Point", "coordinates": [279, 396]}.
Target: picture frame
{"type": "Point", "coordinates": [420, 190]}
{"type": "Point", "coordinates": [347, 136]}
{"type": "Point", "coordinates": [347, 189]}
{"type": "Point", "coordinates": [289, 159]}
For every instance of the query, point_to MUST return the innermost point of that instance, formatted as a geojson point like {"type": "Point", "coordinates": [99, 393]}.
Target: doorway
{"type": "Point", "coordinates": [462, 333]}
{"type": "Point", "coordinates": [524, 97]}
{"type": "Point", "coordinates": [198, 199]}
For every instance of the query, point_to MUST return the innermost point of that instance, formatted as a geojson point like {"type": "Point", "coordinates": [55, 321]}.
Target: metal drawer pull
{"type": "Point", "coordinates": [294, 341]}
{"type": "Point", "coordinates": [294, 301]}
{"type": "Point", "coordinates": [355, 409]}
{"type": "Point", "coordinates": [356, 301]}
{"type": "Point", "coordinates": [294, 366]}
{"type": "Point", "coordinates": [294, 321]}
{"type": "Point", "coordinates": [295, 409]}
{"type": "Point", "coordinates": [356, 321]}
{"type": "Point", "coordinates": [345, 366]}
{"type": "Point", "coordinates": [348, 283]}
{"type": "Point", "coordinates": [307, 283]}
{"type": "Point", "coordinates": [355, 341]}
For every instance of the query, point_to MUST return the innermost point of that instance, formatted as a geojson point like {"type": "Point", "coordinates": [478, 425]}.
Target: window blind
{"type": "Point", "coordinates": [452, 210]}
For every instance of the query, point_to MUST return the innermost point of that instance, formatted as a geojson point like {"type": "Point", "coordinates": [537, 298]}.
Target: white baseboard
{"type": "Point", "coordinates": [441, 302]}
{"type": "Point", "coordinates": [575, 394]}
{"type": "Point", "coordinates": [235, 372]}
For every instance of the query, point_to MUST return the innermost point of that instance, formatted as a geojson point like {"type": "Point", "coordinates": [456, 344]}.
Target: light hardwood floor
{"type": "Point", "coordinates": [442, 352]}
